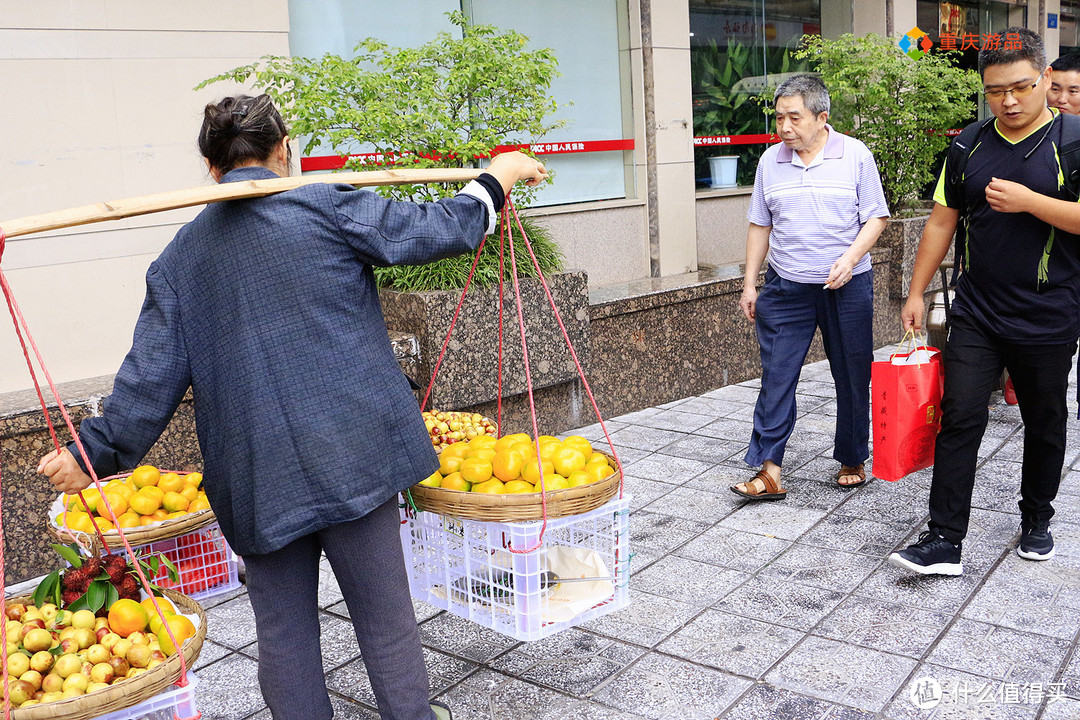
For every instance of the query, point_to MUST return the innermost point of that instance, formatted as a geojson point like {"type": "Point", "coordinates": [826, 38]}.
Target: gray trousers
{"type": "Point", "coordinates": [283, 587]}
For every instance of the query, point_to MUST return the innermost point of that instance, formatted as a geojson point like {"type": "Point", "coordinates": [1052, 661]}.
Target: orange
{"type": "Point", "coordinates": [482, 442]}
{"type": "Point", "coordinates": [432, 480]}
{"type": "Point", "coordinates": [475, 469]}
{"type": "Point", "coordinates": [517, 486]}
{"type": "Point", "coordinates": [454, 481]}
{"type": "Point", "coordinates": [153, 491]}
{"type": "Point", "coordinates": [160, 514]}
{"type": "Point", "coordinates": [174, 502]}
{"type": "Point", "coordinates": [92, 496]}
{"type": "Point", "coordinates": [119, 486]}
{"type": "Point", "coordinates": [457, 450]}
{"type": "Point", "coordinates": [164, 603]}
{"type": "Point", "coordinates": [103, 524]}
{"type": "Point", "coordinates": [599, 472]}
{"type": "Point", "coordinates": [494, 486]}
{"type": "Point", "coordinates": [531, 471]}
{"type": "Point", "coordinates": [190, 492]}
{"type": "Point", "coordinates": [548, 448]}
{"type": "Point", "coordinates": [553, 481]}
{"type": "Point", "coordinates": [146, 520]}
{"type": "Point", "coordinates": [506, 442]}
{"type": "Point", "coordinates": [194, 479]}
{"type": "Point", "coordinates": [177, 514]}
{"type": "Point", "coordinates": [116, 502]}
{"type": "Point", "coordinates": [145, 475]}
{"type": "Point", "coordinates": [128, 520]}
{"type": "Point", "coordinates": [170, 482]}
{"type": "Point", "coordinates": [507, 465]}
{"type": "Point", "coordinates": [579, 477]}
{"type": "Point", "coordinates": [144, 503]}
{"type": "Point", "coordinates": [78, 521]}
{"type": "Point", "coordinates": [578, 443]}
{"type": "Point", "coordinates": [449, 463]}
{"type": "Point", "coordinates": [127, 616]}
{"type": "Point", "coordinates": [182, 629]}
{"type": "Point", "coordinates": [567, 460]}
{"type": "Point", "coordinates": [597, 459]}
{"type": "Point", "coordinates": [485, 453]}
{"type": "Point", "coordinates": [198, 504]}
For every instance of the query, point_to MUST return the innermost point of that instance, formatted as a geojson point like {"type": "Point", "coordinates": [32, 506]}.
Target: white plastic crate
{"type": "Point", "coordinates": [465, 567]}
{"type": "Point", "coordinates": [176, 703]}
{"type": "Point", "coordinates": [206, 564]}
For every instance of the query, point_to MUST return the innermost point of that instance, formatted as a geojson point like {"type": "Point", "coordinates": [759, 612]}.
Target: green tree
{"type": "Point", "coordinates": [896, 105]}
{"type": "Point", "coordinates": [445, 103]}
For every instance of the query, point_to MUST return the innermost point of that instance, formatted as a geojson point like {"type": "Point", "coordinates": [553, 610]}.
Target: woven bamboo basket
{"type": "Point", "coordinates": [128, 692]}
{"type": "Point", "coordinates": [517, 507]}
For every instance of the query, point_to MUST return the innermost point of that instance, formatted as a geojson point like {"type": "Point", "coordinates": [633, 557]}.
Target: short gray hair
{"type": "Point", "coordinates": [811, 88]}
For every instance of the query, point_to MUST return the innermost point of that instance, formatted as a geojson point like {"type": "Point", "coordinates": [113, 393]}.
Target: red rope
{"type": "Point", "coordinates": [569, 345]}
{"type": "Point", "coordinates": [20, 326]}
{"type": "Point", "coordinates": [453, 321]}
{"type": "Point", "coordinates": [499, 366]}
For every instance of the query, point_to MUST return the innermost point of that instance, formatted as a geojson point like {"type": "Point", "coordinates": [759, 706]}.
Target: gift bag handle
{"type": "Point", "coordinates": [914, 337]}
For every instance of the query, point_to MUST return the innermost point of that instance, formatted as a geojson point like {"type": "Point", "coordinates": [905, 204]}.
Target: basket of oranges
{"type": "Point", "coordinates": [147, 503]}
{"type": "Point", "coordinates": [499, 480]}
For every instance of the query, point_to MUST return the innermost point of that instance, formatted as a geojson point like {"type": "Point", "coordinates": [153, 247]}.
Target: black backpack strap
{"type": "Point", "coordinates": [956, 161]}
{"type": "Point", "coordinates": [1069, 154]}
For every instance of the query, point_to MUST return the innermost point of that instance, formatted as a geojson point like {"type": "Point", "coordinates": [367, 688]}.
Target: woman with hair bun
{"type": "Point", "coordinates": [267, 309]}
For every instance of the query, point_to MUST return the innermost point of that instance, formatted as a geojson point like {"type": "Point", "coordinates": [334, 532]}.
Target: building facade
{"type": "Point", "coordinates": [653, 163]}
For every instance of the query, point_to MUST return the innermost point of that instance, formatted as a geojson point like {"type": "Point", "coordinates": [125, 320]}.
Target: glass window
{"type": "Point", "coordinates": [1068, 21]}
{"type": "Point", "coordinates": [589, 41]}
{"type": "Point", "coordinates": [736, 50]}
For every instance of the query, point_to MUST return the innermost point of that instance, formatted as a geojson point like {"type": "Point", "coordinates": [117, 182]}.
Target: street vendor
{"type": "Point", "coordinates": [267, 309]}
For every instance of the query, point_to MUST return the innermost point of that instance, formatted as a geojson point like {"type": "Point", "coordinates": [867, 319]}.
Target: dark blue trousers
{"type": "Point", "coordinates": [283, 587]}
{"type": "Point", "coordinates": [1040, 375]}
{"type": "Point", "coordinates": [787, 314]}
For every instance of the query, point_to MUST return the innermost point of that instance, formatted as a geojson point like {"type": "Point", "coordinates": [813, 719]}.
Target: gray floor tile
{"type": "Point", "coordinates": [659, 532]}
{"type": "Point", "coordinates": [998, 652]}
{"type": "Point", "coordinates": [765, 702]}
{"type": "Point", "coordinates": [675, 419]}
{"type": "Point", "coordinates": [937, 593]}
{"type": "Point", "coordinates": [694, 504]}
{"type": "Point", "coordinates": [1070, 677]}
{"type": "Point", "coordinates": [1032, 597]}
{"type": "Point", "coordinates": [773, 519]}
{"type": "Point", "coordinates": [210, 652]}
{"type": "Point", "coordinates": [666, 468]}
{"type": "Point", "coordinates": [706, 449]}
{"type": "Point", "coordinates": [1063, 709]}
{"type": "Point", "coordinates": [843, 673]}
{"type": "Point", "coordinates": [687, 580]}
{"type": "Point", "coordinates": [458, 636]}
{"type": "Point", "coordinates": [643, 491]}
{"type": "Point", "coordinates": [738, 645]}
{"type": "Point", "coordinates": [646, 621]}
{"type": "Point", "coordinates": [633, 417]}
{"type": "Point", "coordinates": [734, 393]}
{"type": "Point", "coordinates": [595, 431]}
{"type": "Point", "coordinates": [886, 626]}
{"type": "Point", "coordinates": [231, 624]}
{"type": "Point", "coordinates": [641, 437]}
{"type": "Point", "coordinates": [821, 567]}
{"type": "Point", "coordinates": [898, 502]}
{"type": "Point", "coordinates": [736, 429]}
{"type": "Point", "coordinates": [573, 661]}
{"type": "Point", "coordinates": [663, 688]}
{"type": "Point", "coordinates": [857, 535]}
{"type": "Point", "coordinates": [229, 689]}
{"type": "Point", "coordinates": [713, 408]}
{"type": "Point", "coordinates": [939, 693]}
{"type": "Point", "coordinates": [351, 680]}
{"type": "Point", "coordinates": [743, 551]}
{"type": "Point", "coordinates": [780, 602]}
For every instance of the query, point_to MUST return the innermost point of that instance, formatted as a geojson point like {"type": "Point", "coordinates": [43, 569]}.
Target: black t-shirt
{"type": "Point", "coordinates": [1021, 278]}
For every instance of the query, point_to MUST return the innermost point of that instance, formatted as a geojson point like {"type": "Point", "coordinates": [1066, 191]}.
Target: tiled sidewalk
{"type": "Point", "coordinates": [755, 611]}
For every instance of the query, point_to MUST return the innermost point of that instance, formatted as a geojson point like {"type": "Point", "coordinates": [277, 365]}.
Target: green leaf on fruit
{"type": "Point", "coordinates": [111, 595]}
{"type": "Point", "coordinates": [69, 553]}
{"type": "Point", "coordinates": [174, 574]}
{"type": "Point", "coordinates": [95, 595]}
{"type": "Point", "coordinates": [79, 604]}
{"type": "Point", "coordinates": [47, 588]}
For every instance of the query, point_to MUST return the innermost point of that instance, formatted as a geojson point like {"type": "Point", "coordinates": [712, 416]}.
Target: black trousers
{"type": "Point", "coordinates": [283, 587]}
{"type": "Point", "coordinates": [973, 363]}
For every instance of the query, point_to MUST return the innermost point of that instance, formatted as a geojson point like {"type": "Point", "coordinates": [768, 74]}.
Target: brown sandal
{"type": "Point", "coordinates": [847, 470]}
{"type": "Point", "coordinates": [772, 491]}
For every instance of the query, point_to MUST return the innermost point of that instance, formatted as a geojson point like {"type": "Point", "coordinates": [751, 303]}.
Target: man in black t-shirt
{"type": "Point", "coordinates": [1017, 302]}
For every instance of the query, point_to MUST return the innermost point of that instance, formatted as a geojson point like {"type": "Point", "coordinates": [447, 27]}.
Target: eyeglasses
{"type": "Point", "coordinates": [1016, 92]}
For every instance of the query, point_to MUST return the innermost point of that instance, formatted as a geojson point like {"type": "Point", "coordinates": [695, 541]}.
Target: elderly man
{"type": "Point", "coordinates": [1017, 302]}
{"type": "Point", "coordinates": [816, 210]}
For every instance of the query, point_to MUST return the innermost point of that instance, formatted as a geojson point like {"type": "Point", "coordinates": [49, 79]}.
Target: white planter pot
{"type": "Point", "coordinates": [723, 170]}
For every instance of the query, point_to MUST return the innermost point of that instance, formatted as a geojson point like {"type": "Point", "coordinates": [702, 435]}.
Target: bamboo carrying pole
{"type": "Point", "coordinates": [159, 202]}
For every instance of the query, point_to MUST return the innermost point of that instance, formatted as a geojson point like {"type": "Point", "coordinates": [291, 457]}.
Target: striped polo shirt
{"type": "Point", "coordinates": [816, 210]}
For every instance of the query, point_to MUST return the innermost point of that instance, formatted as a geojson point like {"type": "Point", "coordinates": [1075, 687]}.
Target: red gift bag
{"type": "Point", "coordinates": [905, 411]}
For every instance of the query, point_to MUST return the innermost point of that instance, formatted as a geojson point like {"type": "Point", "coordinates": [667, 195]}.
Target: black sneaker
{"type": "Point", "coordinates": [1036, 542]}
{"type": "Point", "coordinates": [931, 554]}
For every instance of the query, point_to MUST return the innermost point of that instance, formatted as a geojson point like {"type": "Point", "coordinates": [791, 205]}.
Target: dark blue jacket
{"type": "Point", "coordinates": [267, 308]}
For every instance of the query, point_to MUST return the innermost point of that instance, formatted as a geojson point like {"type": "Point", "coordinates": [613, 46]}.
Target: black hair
{"type": "Point", "coordinates": [241, 130]}
{"type": "Point", "coordinates": [1067, 63]}
{"type": "Point", "coordinates": [1012, 45]}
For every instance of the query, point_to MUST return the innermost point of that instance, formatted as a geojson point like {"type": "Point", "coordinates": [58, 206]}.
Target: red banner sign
{"type": "Point", "coordinates": [708, 140]}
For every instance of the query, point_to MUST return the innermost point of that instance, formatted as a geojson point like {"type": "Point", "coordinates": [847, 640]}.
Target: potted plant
{"type": "Point", "coordinates": [442, 104]}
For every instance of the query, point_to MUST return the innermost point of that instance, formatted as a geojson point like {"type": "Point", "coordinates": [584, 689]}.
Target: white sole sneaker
{"type": "Point", "coordinates": [1034, 555]}
{"type": "Point", "coordinates": [936, 569]}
